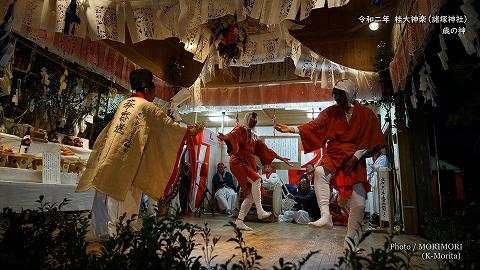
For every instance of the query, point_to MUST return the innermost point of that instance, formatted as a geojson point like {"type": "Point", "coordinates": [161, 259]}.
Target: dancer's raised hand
{"type": "Point", "coordinates": [286, 160]}
{"type": "Point", "coordinates": [283, 128]}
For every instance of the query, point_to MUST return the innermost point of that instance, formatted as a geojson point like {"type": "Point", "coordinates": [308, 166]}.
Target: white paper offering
{"type": "Point", "coordinates": [51, 168]}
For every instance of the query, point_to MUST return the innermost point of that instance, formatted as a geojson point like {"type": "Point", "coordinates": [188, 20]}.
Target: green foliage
{"type": "Point", "coordinates": [377, 258]}
{"type": "Point", "coordinates": [249, 256]}
{"type": "Point", "coordinates": [283, 265]}
{"type": "Point", "coordinates": [48, 238]}
{"type": "Point", "coordinates": [209, 246]}
{"type": "Point", "coordinates": [74, 103]}
{"type": "Point", "coordinates": [164, 243]}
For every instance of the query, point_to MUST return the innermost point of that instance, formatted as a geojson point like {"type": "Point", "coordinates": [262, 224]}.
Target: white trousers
{"type": "Point", "coordinates": [226, 198]}
{"type": "Point", "coordinates": [356, 203]}
{"type": "Point", "coordinates": [107, 210]}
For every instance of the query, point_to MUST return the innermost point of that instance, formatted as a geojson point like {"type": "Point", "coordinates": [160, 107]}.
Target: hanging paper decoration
{"type": "Point", "coordinates": [426, 84]}
{"type": "Point", "coordinates": [443, 53]}
{"type": "Point", "coordinates": [444, 59]}
{"type": "Point", "coordinates": [16, 97]}
{"type": "Point", "coordinates": [63, 82]}
{"type": "Point", "coordinates": [6, 48]}
{"type": "Point", "coordinates": [231, 37]}
{"type": "Point", "coordinates": [141, 21]}
{"type": "Point", "coordinates": [7, 20]}
{"type": "Point", "coordinates": [6, 81]}
{"type": "Point", "coordinates": [45, 81]}
{"type": "Point", "coordinates": [112, 92]}
{"type": "Point", "coordinates": [470, 39]}
{"type": "Point", "coordinates": [176, 101]}
{"type": "Point", "coordinates": [78, 86]}
{"type": "Point", "coordinates": [31, 106]}
{"type": "Point", "coordinates": [203, 47]}
{"type": "Point", "coordinates": [411, 42]}
{"type": "Point", "coordinates": [63, 121]}
{"type": "Point", "coordinates": [307, 64]}
{"type": "Point", "coordinates": [28, 13]}
{"type": "Point", "coordinates": [106, 20]}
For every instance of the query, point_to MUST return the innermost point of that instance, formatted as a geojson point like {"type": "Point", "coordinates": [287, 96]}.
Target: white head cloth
{"type": "Point", "coordinates": [350, 89]}
{"type": "Point", "coordinates": [246, 120]}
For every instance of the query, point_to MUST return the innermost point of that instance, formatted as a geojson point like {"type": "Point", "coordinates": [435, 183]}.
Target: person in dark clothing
{"type": "Point", "coordinates": [223, 178]}
{"type": "Point", "coordinates": [224, 189]}
{"type": "Point", "coordinates": [309, 174]}
{"type": "Point", "coordinates": [307, 199]}
{"type": "Point", "coordinates": [185, 180]}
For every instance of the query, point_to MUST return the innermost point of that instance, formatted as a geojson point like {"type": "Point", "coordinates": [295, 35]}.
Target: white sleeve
{"type": "Point", "coordinates": [360, 153]}
{"type": "Point", "coordinates": [295, 130]}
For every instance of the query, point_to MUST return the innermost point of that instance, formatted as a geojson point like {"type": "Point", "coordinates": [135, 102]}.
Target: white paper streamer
{"type": "Point", "coordinates": [106, 20]}
{"type": "Point", "coordinates": [444, 59]}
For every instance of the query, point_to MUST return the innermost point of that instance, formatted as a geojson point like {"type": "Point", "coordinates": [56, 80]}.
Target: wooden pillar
{"type": "Point", "coordinates": [419, 131]}
{"type": "Point", "coordinates": [417, 191]}
{"type": "Point", "coordinates": [407, 175]}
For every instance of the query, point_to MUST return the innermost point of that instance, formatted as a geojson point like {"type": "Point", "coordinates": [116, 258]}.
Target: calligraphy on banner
{"type": "Point", "coordinates": [141, 22]}
{"type": "Point", "coordinates": [51, 168]}
{"type": "Point", "coordinates": [384, 193]}
{"type": "Point", "coordinates": [28, 12]}
{"type": "Point", "coordinates": [106, 20]}
{"type": "Point", "coordinates": [281, 71]}
{"type": "Point", "coordinates": [288, 147]}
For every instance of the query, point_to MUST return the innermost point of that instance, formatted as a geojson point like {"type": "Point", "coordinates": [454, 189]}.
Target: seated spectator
{"type": "Point", "coordinates": [270, 178]}
{"type": "Point", "coordinates": [307, 207]}
{"type": "Point", "coordinates": [309, 174]}
{"type": "Point", "coordinates": [224, 189]}
{"type": "Point", "coordinates": [292, 188]}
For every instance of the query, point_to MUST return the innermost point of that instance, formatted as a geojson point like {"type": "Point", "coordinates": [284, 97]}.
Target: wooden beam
{"type": "Point", "coordinates": [156, 55]}
{"type": "Point", "coordinates": [137, 58]}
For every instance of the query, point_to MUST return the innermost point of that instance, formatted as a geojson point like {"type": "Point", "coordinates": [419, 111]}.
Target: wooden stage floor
{"type": "Point", "coordinates": [274, 240]}
{"type": "Point", "coordinates": [291, 241]}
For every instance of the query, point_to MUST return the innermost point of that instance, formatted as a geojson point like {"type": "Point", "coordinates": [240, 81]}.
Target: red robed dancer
{"type": "Point", "coordinates": [242, 146]}
{"type": "Point", "coordinates": [350, 132]}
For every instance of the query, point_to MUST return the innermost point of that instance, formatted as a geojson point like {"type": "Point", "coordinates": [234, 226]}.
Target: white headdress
{"type": "Point", "coordinates": [246, 119]}
{"type": "Point", "coordinates": [350, 89]}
